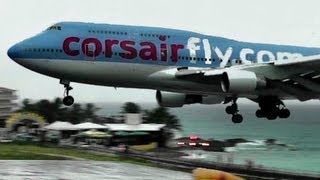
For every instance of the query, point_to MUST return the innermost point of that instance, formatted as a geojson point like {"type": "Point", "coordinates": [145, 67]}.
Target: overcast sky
{"type": "Point", "coordinates": [270, 21]}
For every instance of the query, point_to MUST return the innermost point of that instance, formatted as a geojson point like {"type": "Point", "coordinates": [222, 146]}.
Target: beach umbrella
{"type": "Point", "coordinates": [89, 125]}
{"type": "Point", "coordinates": [94, 134]}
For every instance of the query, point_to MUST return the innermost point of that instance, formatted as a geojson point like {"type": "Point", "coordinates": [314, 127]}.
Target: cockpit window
{"type": "Point", "coordinates": [55, 28]}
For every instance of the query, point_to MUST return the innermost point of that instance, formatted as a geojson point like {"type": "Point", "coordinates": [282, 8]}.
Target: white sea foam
{"type": "Point", "coordinates": [252, 145]}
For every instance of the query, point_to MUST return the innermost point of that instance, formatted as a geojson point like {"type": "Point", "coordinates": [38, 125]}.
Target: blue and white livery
{"type": "Point", "coordinates": [184, 67]}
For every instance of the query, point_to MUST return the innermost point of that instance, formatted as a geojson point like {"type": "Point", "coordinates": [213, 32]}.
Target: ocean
{"type": "Point", "coordinates": [300, 134]}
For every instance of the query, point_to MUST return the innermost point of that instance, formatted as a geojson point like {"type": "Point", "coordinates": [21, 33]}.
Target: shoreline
{"type": "Point", "coordinates": [165, 159]}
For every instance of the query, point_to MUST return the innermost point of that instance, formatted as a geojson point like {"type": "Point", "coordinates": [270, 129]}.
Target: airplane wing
{"type": "Point", "coordinates": [302, 61]}
{"type": "Point", "coordinates": [306, 78]}
{"type": "Point", "coordinates": [298, 77]}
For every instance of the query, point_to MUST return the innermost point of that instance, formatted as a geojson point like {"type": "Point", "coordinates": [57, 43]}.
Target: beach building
{"type": "Point", "coordinates": [131, 132]}
{"type": "Point", "coordinates": [134, 132]}
{"type": "Point", "coordinates": [7, 104]}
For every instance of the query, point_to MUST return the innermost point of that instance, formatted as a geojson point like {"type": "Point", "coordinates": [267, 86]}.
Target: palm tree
{"type": "Point", "coordinates": [90, 112]}
{"type": "Point", "coordinates": [54, 110]}
{"type": "Point", "coordinates": [26, 105]}
{"type": "Point", "coordinates": [75, 114]}
{"type": "Point", "coordinates": [130, 107]}
{"type": "Point", "coordinates": [161, 115]}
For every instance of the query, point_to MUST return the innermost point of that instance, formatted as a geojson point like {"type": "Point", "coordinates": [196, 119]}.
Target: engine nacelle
{"type": "Point", "coordinates": [241, 81]}
{"type": "Point", "coordinates": [171, 99]}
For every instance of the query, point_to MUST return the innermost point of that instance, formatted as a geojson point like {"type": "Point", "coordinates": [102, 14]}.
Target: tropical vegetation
{"type": "Point", "coordinates": [55, 110]}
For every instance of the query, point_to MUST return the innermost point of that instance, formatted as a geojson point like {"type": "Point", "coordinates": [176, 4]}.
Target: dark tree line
{"type": "Point", "coordinates": [56, 111]}
{"type": "Point", "coordinates": [77, 113]}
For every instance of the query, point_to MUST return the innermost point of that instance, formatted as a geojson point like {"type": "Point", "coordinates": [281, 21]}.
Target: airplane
{"type": "Point", "coordinates": [183, 67]}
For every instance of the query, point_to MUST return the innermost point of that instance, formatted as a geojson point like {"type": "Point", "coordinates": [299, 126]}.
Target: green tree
{"type": "Point", "coordinates": [90, 112]}
{"type": "Point", "coordinates": [130, 107]}
{"type": "Point", "coordinates": [75, 114]}
{"type": "Point", "coordinates": [26, 105]}
{"type": "Point", "coordinates": [54, 110]}
{"type": "Point", "coordinates": [161, 115]}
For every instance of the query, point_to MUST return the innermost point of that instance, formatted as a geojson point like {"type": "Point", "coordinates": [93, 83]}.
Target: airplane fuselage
{"type": "Point", "coordinates": [137, 57]}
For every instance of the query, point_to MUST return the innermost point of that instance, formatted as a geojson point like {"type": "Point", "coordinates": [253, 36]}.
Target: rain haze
{"type": "Point", "coordinates": [269, 21]}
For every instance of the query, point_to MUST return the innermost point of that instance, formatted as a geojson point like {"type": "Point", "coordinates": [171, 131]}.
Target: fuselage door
{"type": "Point", "coordinates": [89, 51]}
{"type": "Point", "coordinates": [135, 36]}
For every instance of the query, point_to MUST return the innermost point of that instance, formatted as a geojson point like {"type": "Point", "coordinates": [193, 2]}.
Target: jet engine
{"type": "Point", "coordinates": [172, 99]}
{"type": "Point", "coordinates": [240, 81]}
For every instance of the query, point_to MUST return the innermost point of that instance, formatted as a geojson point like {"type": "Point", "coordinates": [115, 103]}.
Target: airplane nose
{"type": "Point", "coordinates": [14, 52]}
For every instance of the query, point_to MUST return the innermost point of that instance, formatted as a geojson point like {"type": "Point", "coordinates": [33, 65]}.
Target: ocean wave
{"type": "Point", "coordinates": [258, 145]}
{"type": "Point", "coordinates": [235, 149]}
{"type": "Point", "coordinates": [195, 154]}
{"type": "Point", "coordinates": [252, 143]}
{"type": "Point", "coordinates": [230, 149]}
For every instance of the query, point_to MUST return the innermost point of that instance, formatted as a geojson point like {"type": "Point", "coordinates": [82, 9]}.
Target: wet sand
{"type": "Point", "coordinates": [65, 170]}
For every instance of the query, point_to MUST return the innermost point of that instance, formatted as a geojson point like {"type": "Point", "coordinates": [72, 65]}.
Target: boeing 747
{"type": "Point", "coordinates": [184, 67]}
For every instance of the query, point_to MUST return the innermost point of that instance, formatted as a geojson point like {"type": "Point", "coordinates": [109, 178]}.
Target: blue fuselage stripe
{"type": "Point", "coordinates": [147, 45]}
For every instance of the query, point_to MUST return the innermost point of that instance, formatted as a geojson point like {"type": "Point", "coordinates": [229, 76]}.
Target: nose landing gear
{"type": "Point", "coordinates": [67, 100]}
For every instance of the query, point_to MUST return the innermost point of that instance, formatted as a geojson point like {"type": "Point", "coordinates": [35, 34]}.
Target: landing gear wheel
{"type": "Point", "coordinates": [231, 109]}
{"type": "Point", "coordinates": [284, 113]}
{"type": "Point", "coordinates": [237, 118]}
{"type": "Point", "coordinates": [68, 100]}
{"type": "Point", "coordinates": [272, 115]}
{"type": "Point", "coordinates": [271, 108]}
{"type": "Point", "coordinates": [260, 113]}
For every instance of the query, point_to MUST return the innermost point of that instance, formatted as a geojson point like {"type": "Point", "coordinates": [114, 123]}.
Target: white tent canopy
{"type": "Point", "coordinates": [89, 125]}
{"type": "Point", "coordinates": [139, 127]}
{"type": "Point", "coordinates": [59, 126]}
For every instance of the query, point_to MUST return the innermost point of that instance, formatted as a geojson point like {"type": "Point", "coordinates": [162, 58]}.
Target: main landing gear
{"type": "Point", "coordinates": [67, 100]}
{"type": "Point", "coordinates": [271, 108]}
{"type": "Point", "coordinates": [233, 110]}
